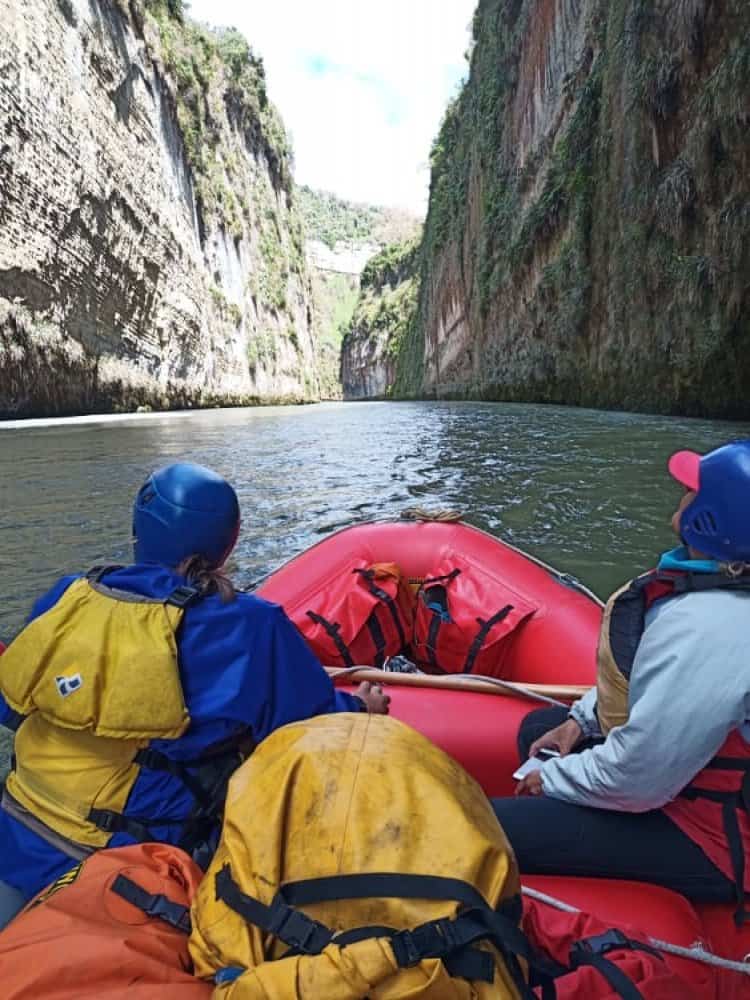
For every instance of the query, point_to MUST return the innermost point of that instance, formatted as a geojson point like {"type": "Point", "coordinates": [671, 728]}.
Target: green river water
{"type": "Point", "coordinates": [585, 490]}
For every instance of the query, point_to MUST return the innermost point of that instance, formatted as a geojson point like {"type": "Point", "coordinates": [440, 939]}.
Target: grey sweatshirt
{"type": "Point", "coordinates": [689, 688]}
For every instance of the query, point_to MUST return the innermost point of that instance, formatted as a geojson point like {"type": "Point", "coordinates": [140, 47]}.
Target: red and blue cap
{"type": "Point", "coordinates": [717, 521]}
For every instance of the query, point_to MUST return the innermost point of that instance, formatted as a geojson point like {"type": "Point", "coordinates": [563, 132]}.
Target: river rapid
{"type": "Point", "coordinates": [585, 490]}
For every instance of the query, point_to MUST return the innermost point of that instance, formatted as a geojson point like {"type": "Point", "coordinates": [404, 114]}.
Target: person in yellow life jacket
{"type": "Point", "coordinates": [135, 691]}
{"type": "Point", "coordinates": [653, 778]}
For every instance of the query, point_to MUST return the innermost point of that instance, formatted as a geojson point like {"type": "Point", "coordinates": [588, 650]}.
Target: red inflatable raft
{"type": "Point", "coordinates": [548, 640]}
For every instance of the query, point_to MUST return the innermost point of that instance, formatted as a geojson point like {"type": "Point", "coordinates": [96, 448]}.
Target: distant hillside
{"type": "Point", "coordinates": [333, 220]}
{"type": "Point", "coordinates": [341, 238]}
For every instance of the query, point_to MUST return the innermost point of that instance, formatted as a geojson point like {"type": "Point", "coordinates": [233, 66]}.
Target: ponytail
{"type": "Point", "coordinates": [208, 579]}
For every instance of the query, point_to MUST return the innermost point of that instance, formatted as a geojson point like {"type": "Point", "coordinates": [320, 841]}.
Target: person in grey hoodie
{"type": "Point", "coordinates": [653, 778]}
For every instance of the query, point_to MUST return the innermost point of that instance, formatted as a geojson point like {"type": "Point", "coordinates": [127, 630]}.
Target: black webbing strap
{"type": "Point", "coordinates": [153, 760]}
{"type": "Point", "coordinates": [484, 629]}
{"type": "Point", "coordinates": [447, 577]}
{"type": "Point", "coordinates": [135, 826]}
{"type": "Point", "coordinates": [385, 597]}
{"type": "Point", "coordinates": [469, 963]}
{"type": "Point", "coordinates": [730, 802]}
{"type": "Point", "coordinates": [687, 583]}
{"type": "Point", "coordinates": [95, 574]}
{"type": "Point", "coordinates": [332, 629]}
{"type": "Point", "coordinates": [180, 597]}
{"type": "Point", "coordinates": [448, 939]}
{"type": "Point", "coordinates": [305, 935]}
{"type": "Point", "coordinates": [113, 822]}
{"type": "Point", "coordinates": [737, 854]}
{"type": "Point", "coordinates": [729, 764]}
{"type": "Point", "coordinates": [393, 608]}
{"type": "Point", "coordinates": [432, 636]}
{"type": "Point", "coordinates": [378, 639]}
{"type": "Point", "coordinates": [591, 951]}
{"type": "Point", "coordinates": [153, 904]}
{"type": "Point", "coordinates": [381, 885]}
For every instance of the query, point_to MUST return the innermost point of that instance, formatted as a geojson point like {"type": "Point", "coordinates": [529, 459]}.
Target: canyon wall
{"type": "Point", "coordinates": [382, 318]}
{"type": "Point", "coordinates": [150, 248]}
{"type": "Point", "coordinates": [588, 234]}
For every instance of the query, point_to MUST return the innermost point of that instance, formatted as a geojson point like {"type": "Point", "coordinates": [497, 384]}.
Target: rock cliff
{"type": "Point", "coordinates": [342, 236]}
{"type": "Point", "coordinates": [150, 248]}
{"type": "Point", "coordinates": [385, 310]}
{"type": "Point", "coordinates": [588, 235]}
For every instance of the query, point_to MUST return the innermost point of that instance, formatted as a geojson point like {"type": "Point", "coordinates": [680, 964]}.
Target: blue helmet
{"type": "Point", "coordinates": [184, 510]}
{"type": "Point", "coordinates": [717, 522]}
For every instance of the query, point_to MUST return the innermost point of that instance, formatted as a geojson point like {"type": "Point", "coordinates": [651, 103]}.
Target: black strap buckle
{"type": "Point", "coordinates": [436, 939]}
{"type": "Point", "coordinates": [600, 944]}
{"type": "Point", "coordinates": [172, 913]}
{"type": "Point", "coordinates": [152, 904]}
{"type": "Point", "coordinates": [300, 932]}
{"type": "Point", "coordinates": [406, 949]}
{"type": "Point", "coordinates": [182, 596]}
{"type": "Point", "coordinates": [106, 820]}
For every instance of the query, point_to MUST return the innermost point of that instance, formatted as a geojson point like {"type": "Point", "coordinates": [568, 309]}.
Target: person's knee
{"type": "Point", "coordinates": [536, 724]}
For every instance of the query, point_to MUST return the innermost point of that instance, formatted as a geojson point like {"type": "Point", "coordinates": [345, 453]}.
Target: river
{"type": "Point", "coordinates": [585, 490]}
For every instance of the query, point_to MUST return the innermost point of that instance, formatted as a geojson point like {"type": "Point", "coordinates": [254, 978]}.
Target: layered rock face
{"type": "Point", "coordinates": [588, 236]}
{"type": "Point", "coordinates": [385, 310]}
{"type": "Point", "coordinates": [150, 251]}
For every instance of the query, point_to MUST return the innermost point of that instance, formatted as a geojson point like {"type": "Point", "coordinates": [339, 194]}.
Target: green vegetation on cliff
{"type": "Point", "coordinates": [331, 219]}
{"type": "Point", "coordinates": [240, 158]}
{"type": "Point", "coordinates": [335, 300]}
{"type": "Point", "coordinates": [589, 208]}
{"type": "Point", "coordinates": [384, 315]}
{"type": "Point", "coordinates": [195, 57]}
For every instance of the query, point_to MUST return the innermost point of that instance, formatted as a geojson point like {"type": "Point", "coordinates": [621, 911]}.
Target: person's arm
{"type": "Point", "coordinates": [583, 712]}
{"type": "Point", "coordinates": [687, 693]}
{"type": "Point", "coordinates": [298, 687]}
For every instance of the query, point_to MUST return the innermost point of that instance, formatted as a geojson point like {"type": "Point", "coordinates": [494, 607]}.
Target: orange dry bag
{"type": "Point", "coordinates": [116, 926]}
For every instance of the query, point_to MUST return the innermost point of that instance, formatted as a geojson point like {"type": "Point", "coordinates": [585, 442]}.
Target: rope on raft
{"type": "Point", "coordinates": [461, 682]}
{"type": "Point", "coordinates": [696, 953]}
{"type": "Point", "coordinates": [421, 514]}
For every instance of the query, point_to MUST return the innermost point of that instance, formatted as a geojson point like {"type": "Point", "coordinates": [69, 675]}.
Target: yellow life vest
{"type": "Point", "coordinates": [96, 678]}
{"type": "Point", "coordinates": [612, 683]}
{"type": "Point", "coordinates": [376, 858]}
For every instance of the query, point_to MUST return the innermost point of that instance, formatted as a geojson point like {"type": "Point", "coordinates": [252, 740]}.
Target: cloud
{"type": "Point", "coordinates": [362, 87]}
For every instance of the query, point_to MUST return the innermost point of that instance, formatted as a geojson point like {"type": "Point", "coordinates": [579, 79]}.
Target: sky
{"type": "Point", "coordinates": [362, 87]}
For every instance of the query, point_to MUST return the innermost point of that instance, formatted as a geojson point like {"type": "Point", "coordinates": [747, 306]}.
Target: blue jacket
{"type": "Point", "coordinates": [242, 665]}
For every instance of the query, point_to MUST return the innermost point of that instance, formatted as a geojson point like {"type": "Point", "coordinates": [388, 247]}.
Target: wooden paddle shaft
{"type": "Point", "coordinates": [563, 692]}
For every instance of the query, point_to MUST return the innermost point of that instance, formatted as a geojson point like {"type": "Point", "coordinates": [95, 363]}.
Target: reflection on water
{"type": "Point", "coordinates": [585, 490]}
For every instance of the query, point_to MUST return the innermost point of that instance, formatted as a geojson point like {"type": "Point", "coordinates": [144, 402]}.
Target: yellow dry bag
{"type": "Point", "coordinates": [358, 860]}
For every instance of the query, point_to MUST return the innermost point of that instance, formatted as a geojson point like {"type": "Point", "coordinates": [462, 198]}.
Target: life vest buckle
{"type": "Point", "coordinates": [183, 596]}
{"type": "Point", "coordinates": [106, 820]}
